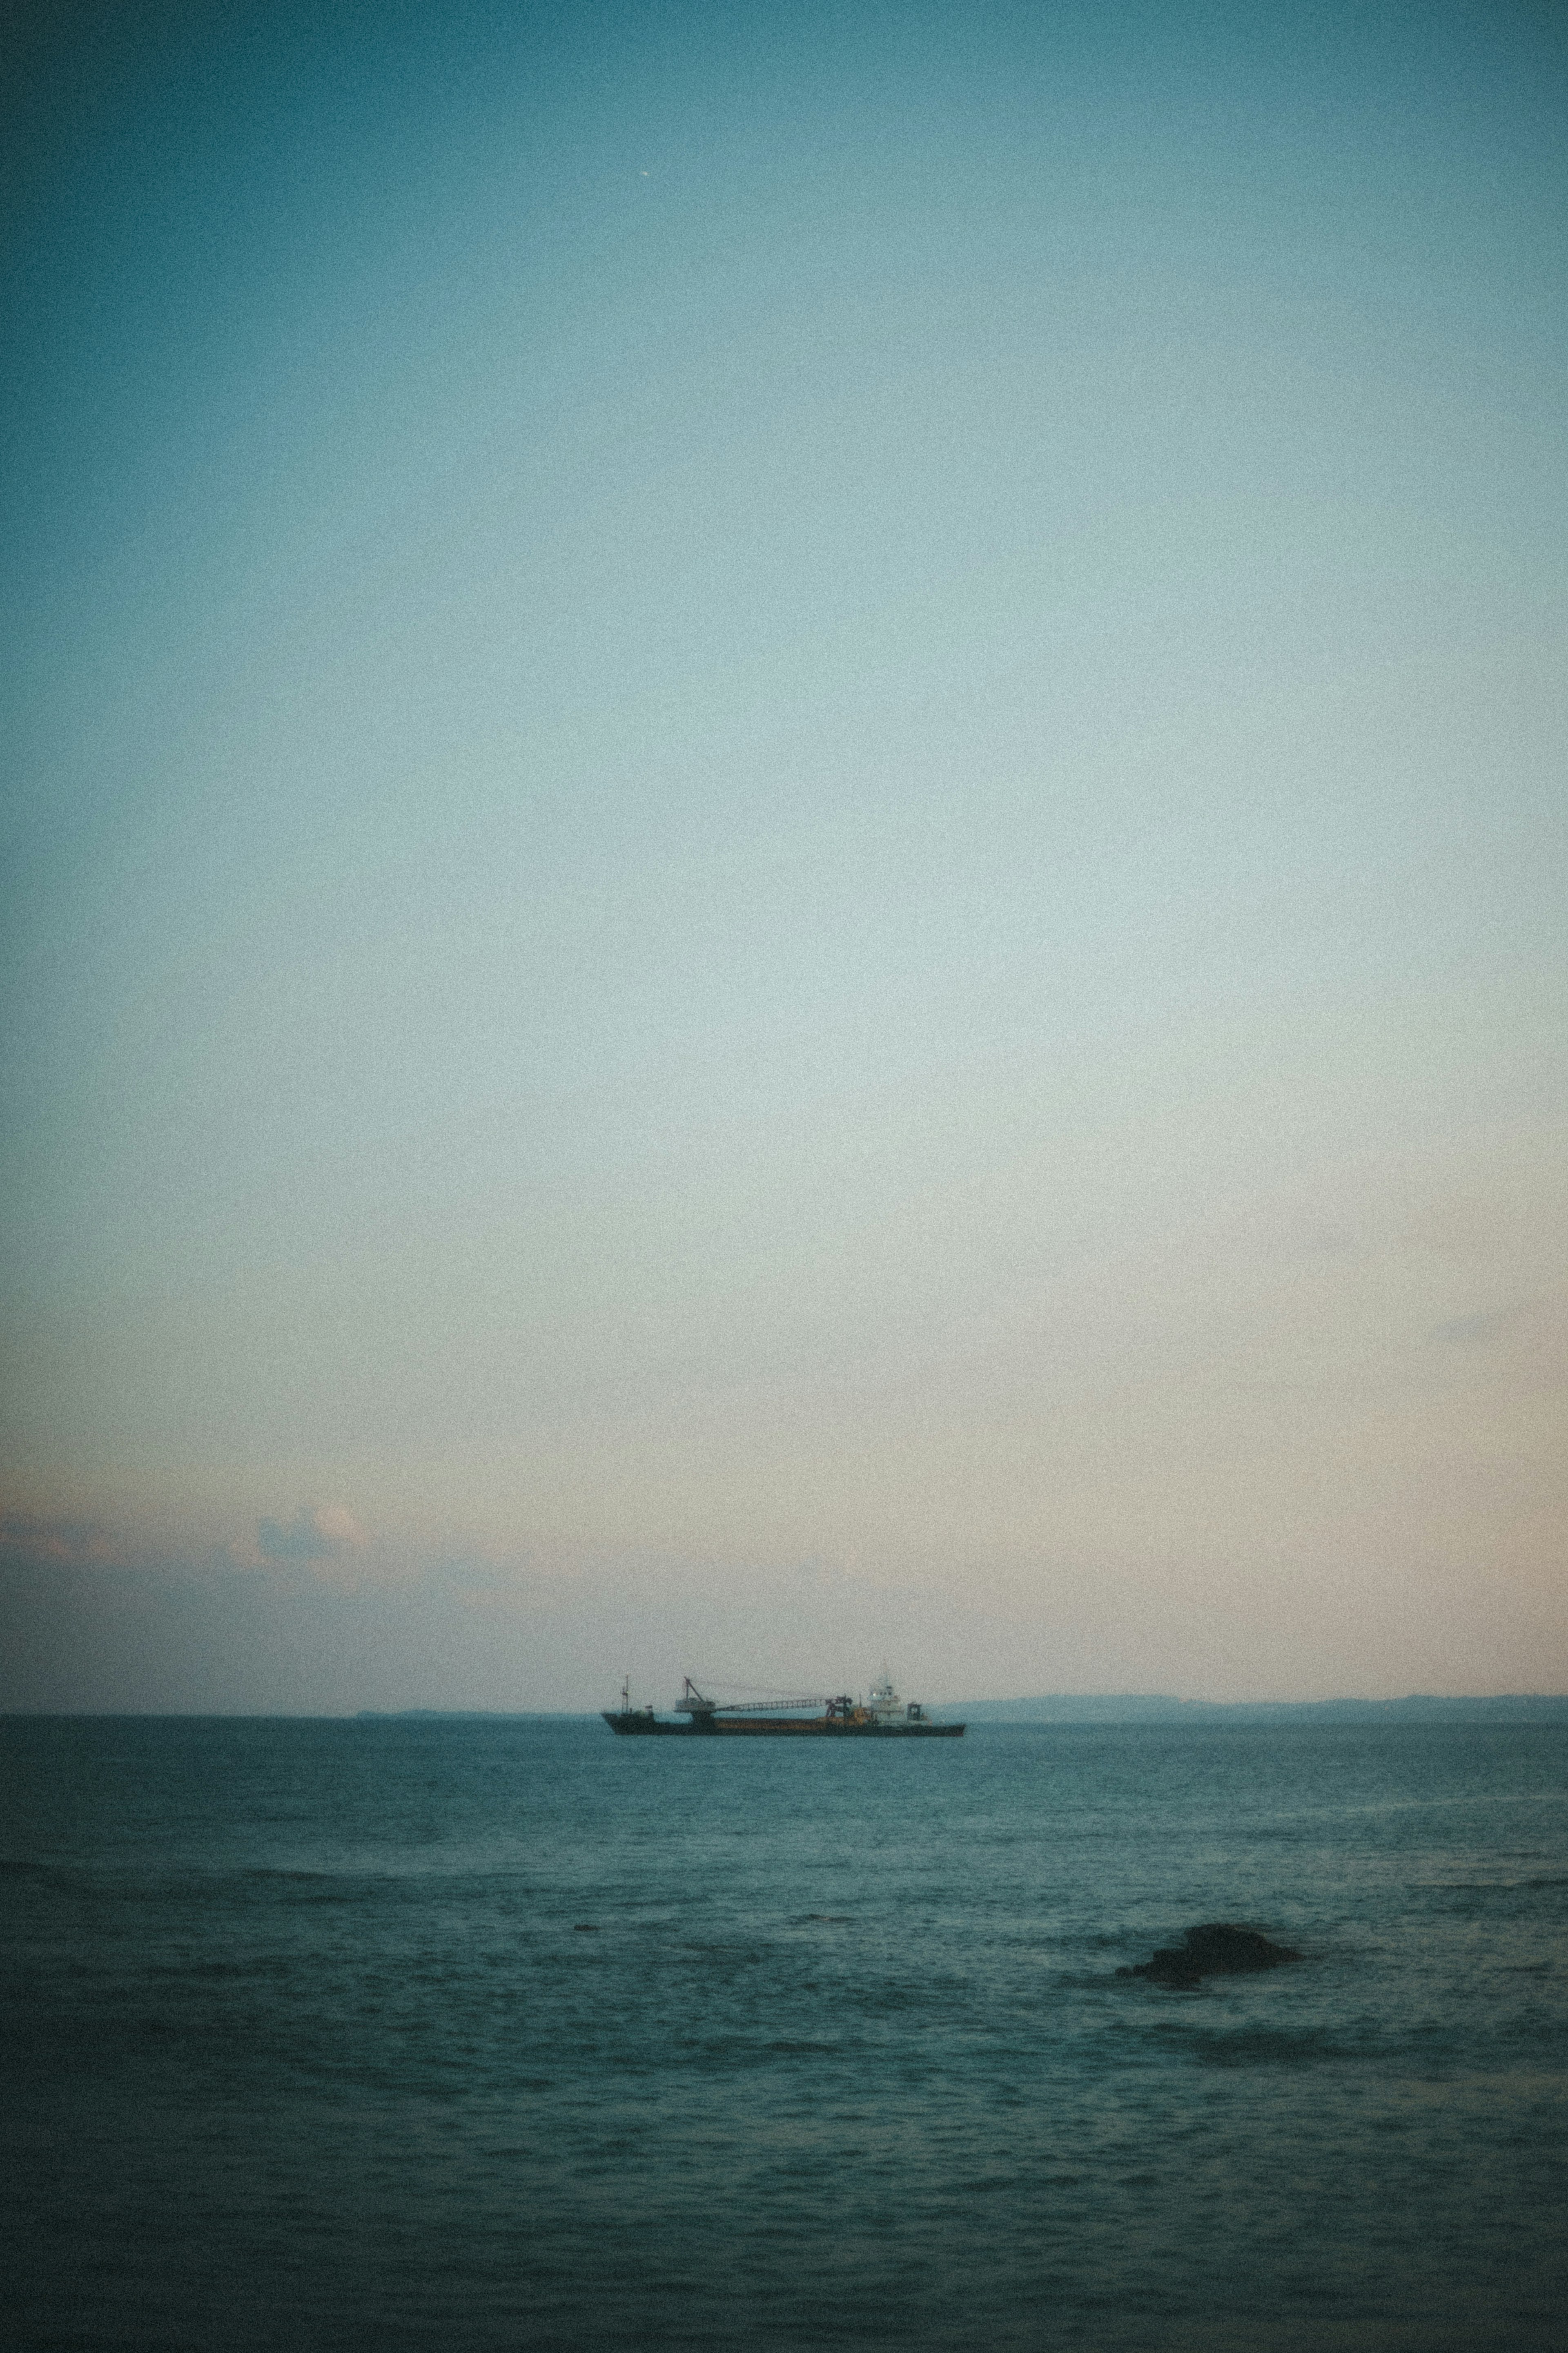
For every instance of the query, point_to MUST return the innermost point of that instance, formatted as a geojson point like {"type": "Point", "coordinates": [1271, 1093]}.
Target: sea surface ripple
{"type": "Point", "coordinates": [410, 2034]}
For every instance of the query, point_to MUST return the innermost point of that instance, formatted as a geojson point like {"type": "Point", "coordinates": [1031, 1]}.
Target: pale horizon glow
{"type": "Point", "coordinates": [786, 881]}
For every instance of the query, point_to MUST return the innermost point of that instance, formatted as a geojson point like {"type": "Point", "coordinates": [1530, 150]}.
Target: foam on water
{"type": "Point", "coordinates": [416, 2034]}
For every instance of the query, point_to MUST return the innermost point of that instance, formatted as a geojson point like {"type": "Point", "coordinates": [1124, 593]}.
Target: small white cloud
{"type": "Point", "coordinates": [324, 1532]}
{"type": "Point", "coordinates": [38, 1538]}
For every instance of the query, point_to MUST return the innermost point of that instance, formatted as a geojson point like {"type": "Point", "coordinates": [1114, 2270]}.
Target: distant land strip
{"type": "Point", "coordinates": [1142, 1707]}
{"type": "Point", "coordinates": [1069, 1707]}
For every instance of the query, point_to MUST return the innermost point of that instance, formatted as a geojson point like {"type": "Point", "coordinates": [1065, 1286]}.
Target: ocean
{"type": "Point", "coordinates": [420, 2033]}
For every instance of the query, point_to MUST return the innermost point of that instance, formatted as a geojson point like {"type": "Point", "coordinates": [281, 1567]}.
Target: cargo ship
{"type": "Point", "coordinates": [880, 1716]}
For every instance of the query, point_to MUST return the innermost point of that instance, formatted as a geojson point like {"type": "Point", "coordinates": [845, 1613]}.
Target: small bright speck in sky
{"type": "Point", "coordinates": [821, 924]}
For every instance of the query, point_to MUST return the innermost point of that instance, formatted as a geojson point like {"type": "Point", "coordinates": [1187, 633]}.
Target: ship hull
{"type": "Point", "coordinates": [755, 1727]}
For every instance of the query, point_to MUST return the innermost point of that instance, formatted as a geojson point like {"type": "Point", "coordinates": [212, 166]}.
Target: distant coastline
{"type": "Point", "coordinates": [1138, 1707]}
{"type": "Point", "coordinates": [1065, 1707]}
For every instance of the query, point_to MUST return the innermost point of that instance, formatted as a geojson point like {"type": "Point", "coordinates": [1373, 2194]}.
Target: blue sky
{"type": "Point", "coordinates": [786, 844]}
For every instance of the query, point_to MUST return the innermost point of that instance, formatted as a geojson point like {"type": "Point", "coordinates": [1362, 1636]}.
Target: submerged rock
{"type": "Point", "coordinates": [1216, 1950]}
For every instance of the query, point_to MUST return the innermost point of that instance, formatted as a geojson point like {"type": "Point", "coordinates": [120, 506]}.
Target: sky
{"type": "Point", "coordinates": [785, 852]}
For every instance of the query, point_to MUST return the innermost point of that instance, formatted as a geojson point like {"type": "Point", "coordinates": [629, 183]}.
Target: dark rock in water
{"type": "Point", "coordinates": [1217, 1950]}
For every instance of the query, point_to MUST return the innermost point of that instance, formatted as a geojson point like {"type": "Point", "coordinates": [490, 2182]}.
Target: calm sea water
{"type": "Point", "coordinates": [470, 2035]}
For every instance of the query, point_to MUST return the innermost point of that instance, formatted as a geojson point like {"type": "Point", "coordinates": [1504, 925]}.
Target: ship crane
{"type": "Point", "coordinates": [695, 1702]}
